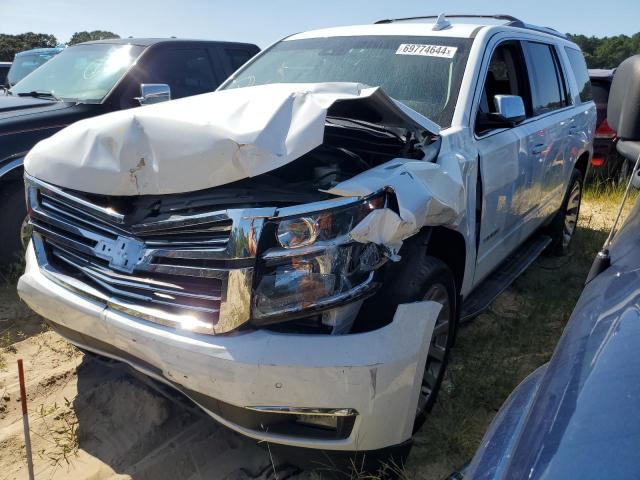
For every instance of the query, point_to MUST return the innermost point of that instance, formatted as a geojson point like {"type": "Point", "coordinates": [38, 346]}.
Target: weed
{"type": "Point", "coordinates": [60, 432]}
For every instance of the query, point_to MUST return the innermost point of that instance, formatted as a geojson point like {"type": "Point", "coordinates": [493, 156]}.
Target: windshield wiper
{"type": "Point", "coordinates": [39, 94]}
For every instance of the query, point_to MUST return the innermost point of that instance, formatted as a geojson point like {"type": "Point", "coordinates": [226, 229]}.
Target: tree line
{"type": "Point", "coordinates": [606, 52]}
{"type": "Point", "coordinates": [12, 44]}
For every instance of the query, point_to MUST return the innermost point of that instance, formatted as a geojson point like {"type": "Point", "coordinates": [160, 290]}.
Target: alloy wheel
{"type": "Point", "coordinates": [571, 214]}
{"type": "Point", "coordinates": [435, 365]}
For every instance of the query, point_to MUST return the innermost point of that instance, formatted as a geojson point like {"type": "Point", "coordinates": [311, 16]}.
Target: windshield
{"type": "Point", "coordinates": [24, 64]}
{"type": "Point", "coordinates": [422, 72]}
{"type": "Point", "coordinates": [83, 73]}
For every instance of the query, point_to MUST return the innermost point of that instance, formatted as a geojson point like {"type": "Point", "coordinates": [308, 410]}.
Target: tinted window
{"type": "Point", "coordinates": [3, 74]}
{"type": "Point", "coordinates": [547, 94]}
{"type": "Point", "coordinates": [237, 57]}
{"type": "Point", "coordinates": [579, 67]}
{"type": "Point", "coordinates": [506, 76]}
{"type": "Point", "coordinates": [600, 91]}
{"type": "Point", "coordinates": [187, 71]}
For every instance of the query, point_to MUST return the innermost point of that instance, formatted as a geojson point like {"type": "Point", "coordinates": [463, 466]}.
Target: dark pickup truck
{"type": "Point", "coordinates": [90, 79]}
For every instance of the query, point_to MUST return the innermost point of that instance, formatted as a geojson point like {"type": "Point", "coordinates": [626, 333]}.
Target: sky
{"type": "Point", "coordinates": [264, 22]}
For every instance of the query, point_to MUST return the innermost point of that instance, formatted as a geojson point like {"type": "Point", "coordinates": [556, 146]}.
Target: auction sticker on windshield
{"type": "Point", "coordinates": [426, 50]}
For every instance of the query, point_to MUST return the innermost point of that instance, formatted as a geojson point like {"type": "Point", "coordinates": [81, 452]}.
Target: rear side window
{"type": "Point", "coordinates": [600, 92]}
{"type": "Point", "coordinates": [237, 57]}
{"type": "Point", "coordinates": [187, 71]}
{"type": "Point", "coordinates": [579, 67]}
{"type": "Point", "coordinates": [546, 81]}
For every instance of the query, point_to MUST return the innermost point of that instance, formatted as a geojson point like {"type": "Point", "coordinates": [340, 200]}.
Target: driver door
{"type": "Point", "coordinates": [506, 172]}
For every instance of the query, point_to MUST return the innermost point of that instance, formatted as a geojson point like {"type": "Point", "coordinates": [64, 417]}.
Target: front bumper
{"type": "Point", "coordinates": [377, 374]}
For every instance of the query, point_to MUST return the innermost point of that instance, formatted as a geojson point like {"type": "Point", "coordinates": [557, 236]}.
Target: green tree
{"type": "Point", "coordinates": [607, 52]}
{"type": "Point", "coordinates": [12, 44]}
{"type": "Point", "coordinates": [85, 36]}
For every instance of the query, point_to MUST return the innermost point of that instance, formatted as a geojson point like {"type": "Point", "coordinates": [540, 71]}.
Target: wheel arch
{"type": "Point", "coordinates": [12, 168]}
{"type": "Point", "coordinates": [582, 163]}
{"type": "Point", "coordinates": [449, 246]}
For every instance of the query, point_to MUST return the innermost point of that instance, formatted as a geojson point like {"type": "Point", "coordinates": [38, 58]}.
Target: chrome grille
{"type": "Point", "coordinates": [191, 271]}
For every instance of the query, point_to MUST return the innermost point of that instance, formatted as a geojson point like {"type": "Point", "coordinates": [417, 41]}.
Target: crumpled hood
{"type": "Point", "coordinates": [206, 140]}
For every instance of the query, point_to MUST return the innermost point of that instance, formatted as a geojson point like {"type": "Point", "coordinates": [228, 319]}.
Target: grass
{"type": "Point", "coordinates": [495, 352]}
{"type": "Point", "coordinates": [60, 431]}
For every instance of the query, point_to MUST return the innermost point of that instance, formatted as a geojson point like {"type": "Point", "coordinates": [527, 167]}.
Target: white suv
{"type": "Point", "coordinates": [294, 251]}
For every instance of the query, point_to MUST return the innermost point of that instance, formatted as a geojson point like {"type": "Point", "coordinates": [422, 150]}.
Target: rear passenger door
{"type": "Point", "coordinates": [548, 130]}
{"type": "Point", "coordinates": [187, 70]}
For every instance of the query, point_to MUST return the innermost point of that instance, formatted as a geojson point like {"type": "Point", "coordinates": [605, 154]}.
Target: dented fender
{"type": "Point", "coordinates": [428, 194]}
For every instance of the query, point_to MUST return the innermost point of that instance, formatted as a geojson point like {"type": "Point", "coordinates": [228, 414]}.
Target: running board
{"type": "Point", "coordinates": [496, 283]}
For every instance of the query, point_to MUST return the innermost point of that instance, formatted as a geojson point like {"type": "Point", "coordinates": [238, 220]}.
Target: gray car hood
{"type": "Point", "coordinates": [206, 140]}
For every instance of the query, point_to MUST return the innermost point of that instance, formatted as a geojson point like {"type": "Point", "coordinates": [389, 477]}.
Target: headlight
{"type": "Point", "coordinates": [313, 265]}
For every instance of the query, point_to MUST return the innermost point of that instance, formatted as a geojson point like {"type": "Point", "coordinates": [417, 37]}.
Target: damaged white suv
{"type": "Point", "coordinates": [293, 251]}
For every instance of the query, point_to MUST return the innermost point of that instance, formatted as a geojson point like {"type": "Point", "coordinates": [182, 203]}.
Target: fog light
{"type": "Point", "coordinates": [319, 421]}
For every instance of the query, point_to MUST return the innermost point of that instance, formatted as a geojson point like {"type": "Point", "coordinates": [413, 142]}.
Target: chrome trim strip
{"type": "Point", "coordinates": [178, 221]}
{"type": "Point", "coordinates": [100, 211]}
{"type": "Point", "coordinates": [61, 215]}
{"type": "Point", "coordinates": [327, 412]}
{"type": "Point", "coordinates": [316, 207]}
{"type": "Point", "coordinates": [99, 277]}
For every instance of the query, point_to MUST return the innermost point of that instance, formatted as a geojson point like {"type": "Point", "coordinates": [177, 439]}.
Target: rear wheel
{"type": "Point", "coordinates": [563, 226]}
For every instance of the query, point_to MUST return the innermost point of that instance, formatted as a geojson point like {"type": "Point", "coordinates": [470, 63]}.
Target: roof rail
{"type": "Point", "coordinates": [510, 22]}
{"type": "Point", "coordinates": [507, 18]}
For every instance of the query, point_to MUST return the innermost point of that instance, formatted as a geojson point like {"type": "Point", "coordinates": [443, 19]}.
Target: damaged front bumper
{"type": "Point", "coordinates": [266, 385]}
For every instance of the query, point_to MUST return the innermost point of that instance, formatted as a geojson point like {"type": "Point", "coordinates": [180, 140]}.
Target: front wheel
{"type": "Point", "coordinates": [563, 226]}
{"type": "Point", "coordinates": [440, 288]}
{"type": "Point", "coordinates": [12, 218]}
{"type": "Point", "coordinates": [419, 277]}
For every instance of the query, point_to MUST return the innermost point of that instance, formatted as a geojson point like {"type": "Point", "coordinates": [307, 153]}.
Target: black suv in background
{"type": "Point", "coordinates": [90, 79]}
{"type": "Point", "coordinates": [607, 164]}
{"type": "Point", "coordinates": [4, 69]}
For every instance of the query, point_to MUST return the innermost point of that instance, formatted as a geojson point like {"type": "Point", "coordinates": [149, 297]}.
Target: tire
{"type": "Point", "coordinates": [416, 277]}
{"type": "Point", "coordinates": [13, 212]}
{"type": "Point", "coordinates": [563, 227]}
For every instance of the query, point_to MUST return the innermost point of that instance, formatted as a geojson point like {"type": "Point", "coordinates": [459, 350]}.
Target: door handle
{"type": "Point", "coordinates": [537, 149]}
{"type": "Point", "coordinates": [573, 130]}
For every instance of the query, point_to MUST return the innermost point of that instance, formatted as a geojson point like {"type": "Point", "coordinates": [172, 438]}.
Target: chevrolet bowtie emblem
{"type": "Point", "coordinates": [123, 253]}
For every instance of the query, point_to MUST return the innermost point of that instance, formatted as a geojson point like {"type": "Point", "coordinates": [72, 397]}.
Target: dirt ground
{"type": "Point", "coordinates": [91, 420]}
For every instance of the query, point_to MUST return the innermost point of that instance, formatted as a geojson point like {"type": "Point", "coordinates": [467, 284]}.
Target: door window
{"type": "Point", "coordinates": [237, 57]}
{"type": "Point", "coordinates": [579, 67]}
{"type": "Point", "coordinates": [187, 71]}
{"type": "Point", "coordinates": [506, 76]}
{"type": "Point", "coordinates": [547, 84]}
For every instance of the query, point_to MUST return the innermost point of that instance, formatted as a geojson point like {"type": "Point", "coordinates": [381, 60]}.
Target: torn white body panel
{"type": "Point", "coordinates": [376, 373]}
{"type": "Point", "coordinates": [428, 194]}
{"type": "Point", "coordinates": [203, 141]}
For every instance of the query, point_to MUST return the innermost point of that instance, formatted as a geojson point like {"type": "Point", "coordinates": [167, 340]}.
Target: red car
{"type": "Point", "coordinates": [607, 163]}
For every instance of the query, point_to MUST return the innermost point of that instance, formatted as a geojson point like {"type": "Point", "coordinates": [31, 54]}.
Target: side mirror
{"type": "Point", "coordinates": [509, 108]}
{"type": "Point", "coordinates": [509, 113]}
{"type": "Point", "coordinates": [154, 93]}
